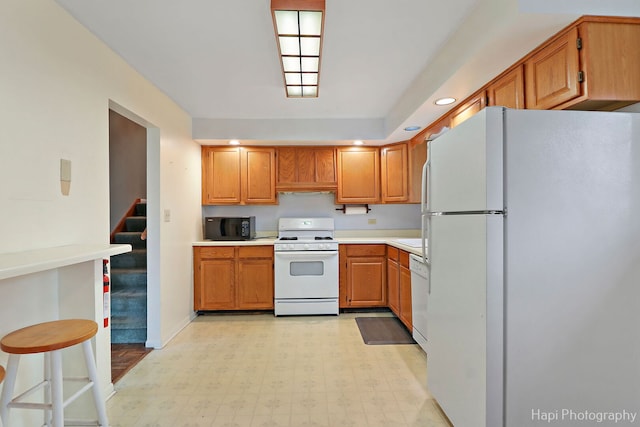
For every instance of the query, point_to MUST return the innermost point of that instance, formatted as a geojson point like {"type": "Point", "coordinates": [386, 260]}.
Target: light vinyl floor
{"type": "Point", "coordinates": [259, 370]}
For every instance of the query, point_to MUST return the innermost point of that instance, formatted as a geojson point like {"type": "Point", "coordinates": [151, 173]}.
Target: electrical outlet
{"type": "Point", "coordinates": [372, 220]}
{"type": "Point", "coordinates": [167, 215]}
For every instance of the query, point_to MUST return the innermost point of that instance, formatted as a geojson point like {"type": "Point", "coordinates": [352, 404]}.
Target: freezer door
{"type": "Point", "coordinates": [465, 318]}
{"type": "Point", "coordinates": [466, 165]}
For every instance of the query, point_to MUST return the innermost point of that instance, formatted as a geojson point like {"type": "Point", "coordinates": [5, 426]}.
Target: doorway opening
{"type": "Point", "coordinates": [128, 224]}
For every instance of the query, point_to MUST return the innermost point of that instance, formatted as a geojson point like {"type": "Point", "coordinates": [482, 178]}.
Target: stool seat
{"type": "Point", "coordinates": [48, 336]}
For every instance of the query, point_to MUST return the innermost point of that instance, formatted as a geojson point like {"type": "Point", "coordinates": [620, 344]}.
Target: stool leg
{"type": "Point", "coordinates": [93, 376]}
{"type": "Point", "coordinates": [7, 389]}
{"type": "Point", "coordinates": [57, 397]}
{"type": "Point", "coordinates": [47, 387]}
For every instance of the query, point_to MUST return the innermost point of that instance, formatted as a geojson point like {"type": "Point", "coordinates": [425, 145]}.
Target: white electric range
{"type": "Point", "coordinates": [306, 267]}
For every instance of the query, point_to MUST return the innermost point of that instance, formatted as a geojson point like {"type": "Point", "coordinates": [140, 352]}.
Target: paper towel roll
{"type": "Point", "coordinates": [355, 210]}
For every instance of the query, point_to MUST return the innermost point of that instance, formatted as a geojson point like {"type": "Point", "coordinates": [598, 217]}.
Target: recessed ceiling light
{"type": "Point", "coordinates": [445, 101]}
{"type": "Point", "coordinates": [412, 128]}
{"type": "Point", "coordinates": [234, 142]}
{"type": "Point", "coordinates": [358, 142]}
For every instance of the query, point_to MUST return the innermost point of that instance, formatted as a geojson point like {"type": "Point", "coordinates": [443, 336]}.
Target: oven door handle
{"type": "Point", "coordinates": [297, 255]}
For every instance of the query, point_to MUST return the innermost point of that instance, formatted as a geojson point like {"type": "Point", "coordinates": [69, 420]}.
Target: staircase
{"type": "Point", "coordinates": [129, 282]}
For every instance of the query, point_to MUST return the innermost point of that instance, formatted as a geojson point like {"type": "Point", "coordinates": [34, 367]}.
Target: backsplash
{"type": "Point", "coordinates": [388, 217]}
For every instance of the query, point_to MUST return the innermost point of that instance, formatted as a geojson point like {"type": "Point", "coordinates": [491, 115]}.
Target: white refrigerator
{"type": "Point", "coordinates": [533, 223]}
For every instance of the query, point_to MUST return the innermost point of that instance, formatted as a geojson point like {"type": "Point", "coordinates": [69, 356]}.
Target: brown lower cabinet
{"type": "Point", "coordinates": [233, 277]}
{"type": "Point", "coordinates": [363, 276]}
{"type": "Point", "coordinates": [399, 284]}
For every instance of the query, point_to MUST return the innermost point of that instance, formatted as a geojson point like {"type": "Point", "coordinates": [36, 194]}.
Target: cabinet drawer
{"type": "Point", "coordinates": [255, 252]}
{"type": "Point", "coordinates": [215, 251]}
{"type": "Point", "coordinates": [404, 259]}
{"type": "Point", "coordinates": [392, 253]}
{"type": "Point", "coordinates": [366, 250]}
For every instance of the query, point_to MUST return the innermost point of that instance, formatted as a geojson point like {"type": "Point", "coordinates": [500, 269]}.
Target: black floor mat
{"type": "Point", "coordinates": [383, 330]}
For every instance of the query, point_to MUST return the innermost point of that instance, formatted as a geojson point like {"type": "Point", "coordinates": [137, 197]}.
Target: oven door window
{"type": "Point", "coordinates": [306, 268]}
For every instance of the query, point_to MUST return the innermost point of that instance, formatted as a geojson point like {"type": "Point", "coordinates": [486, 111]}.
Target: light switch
{"type": "Point", "coordinates": [65, 170]}
{"type": "Point", "coordinates": [65, 176]}
{"type": "Point", "coordinates": [167, 215]}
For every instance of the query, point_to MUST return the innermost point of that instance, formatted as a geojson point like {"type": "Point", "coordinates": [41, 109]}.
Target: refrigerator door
{"type": "Point", "coordinates": [465, 318]}
{"type": "Point", "coordinates": [572, 235]}
{"type": "Point", "coordinates": [466, 165]}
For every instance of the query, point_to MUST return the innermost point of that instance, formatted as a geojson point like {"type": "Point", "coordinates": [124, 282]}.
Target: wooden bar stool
{"type": "Point", "coordinates": [50, 338]}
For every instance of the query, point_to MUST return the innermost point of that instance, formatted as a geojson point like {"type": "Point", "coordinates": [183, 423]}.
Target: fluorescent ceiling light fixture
{"type": "Point", "coordinates": [234, 142]}
{"type": "Point", "coordinates": [358, 142]}
{"type": "Point", "coordinates": [445, 101]}
{"type": "Point", "coordinates": [412, 128]}
{"type": "Point", "coordinates": [298, 25]}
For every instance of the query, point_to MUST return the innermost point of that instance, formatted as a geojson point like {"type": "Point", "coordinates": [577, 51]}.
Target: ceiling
{"type": "Point", "coordinates": [383, 63]}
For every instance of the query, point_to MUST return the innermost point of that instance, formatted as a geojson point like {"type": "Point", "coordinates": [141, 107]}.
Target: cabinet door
{"type": "Point", "coordinates": [255, 284]}
{"type": "Point", "coordinates": [468, 109]}
{"type": "Point", "coordinates": [220, 175]}
{"type": "Point", "coordinates": [325, 163]}
{"type": "Point", "coordinates": [214, 286]}
{"type": "Point", "coordinates": [508, 90]}
{"type": "Point", "coordinates": [394, 176]}
{"type": "Point", "coordinates": [286, 166]}
{"type": "Point", "coordinates": [405, 297]}
{"type": "Point", "coordinates": [259, 179]}
{"type": "Point", "coordinates": [366, 282]}
{"type": "Point", "coordinates": [417, 157]}
{"type": "Point", "coordinates": [611, 70]}
{"type": "Point", "coordinates": [358, 175]}
{"type": "Point", "coordinates": [393, 286]}
{"type": "Point", "coordinates": [551, 75]}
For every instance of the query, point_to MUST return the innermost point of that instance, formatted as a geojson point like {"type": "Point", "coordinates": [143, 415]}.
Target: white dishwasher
{"type": "Point", "coordinates": [419, 296]}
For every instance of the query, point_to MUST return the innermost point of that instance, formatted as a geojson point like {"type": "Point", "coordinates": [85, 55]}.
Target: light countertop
{"type": "Point", "coordinates": [21, 263]}
{"type": "Point", "coordinates": [409, 244]}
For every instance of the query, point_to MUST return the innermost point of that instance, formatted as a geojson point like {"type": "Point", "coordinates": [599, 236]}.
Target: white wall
{"type": "Point", "coordinates": [57, 83]}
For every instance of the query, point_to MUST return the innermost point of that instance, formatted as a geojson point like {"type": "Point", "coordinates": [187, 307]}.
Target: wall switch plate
{"type": "Point", "coordinates": [65, 176]}
{"type": "Point", "coordinates": [372, 220]}
{"type": "Point", "coordinates": [65, 170]}
{"type": "Point", "coordinates": [167, 215]}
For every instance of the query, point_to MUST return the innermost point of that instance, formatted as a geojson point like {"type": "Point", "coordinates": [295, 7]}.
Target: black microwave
{"type": "Point", "coordinates": [230, 228]}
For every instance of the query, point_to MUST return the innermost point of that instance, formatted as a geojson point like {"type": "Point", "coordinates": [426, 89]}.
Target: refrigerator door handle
{"type": "Point", "coordinates": [423, 198]}
{"type": "Point", "coordinates": [424, 236]}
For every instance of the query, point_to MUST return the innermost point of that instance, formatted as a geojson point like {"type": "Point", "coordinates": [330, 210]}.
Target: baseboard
{"type": "Point", "coordinates": [160, 344]}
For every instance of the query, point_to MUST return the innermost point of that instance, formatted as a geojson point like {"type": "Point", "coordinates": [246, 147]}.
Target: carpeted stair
{"type": "Point", "coordinates": [129, 283]}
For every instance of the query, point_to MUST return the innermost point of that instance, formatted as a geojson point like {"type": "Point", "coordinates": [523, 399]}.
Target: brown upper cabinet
{"type": "Point", "coordinates": [395, 173]}
{"type": "Point", "coordinates": [417, 158]}
{"type": "Point", "coordinates": [238, 175]}
{"type": "Point", "coordinates": [358, 175]}
{"type": "Point", "coordinates": [593, 65]}
{"type": "Point", "coordinates": [508, 89]}
{"type": "Point", "coordinates": [552, 73]}
{"type": "Point", "coordinates": [306, 168]}
{"type": "Point", "coordinates": [220, 175]}
{"type": "Point", "coordinates": [474, 104]}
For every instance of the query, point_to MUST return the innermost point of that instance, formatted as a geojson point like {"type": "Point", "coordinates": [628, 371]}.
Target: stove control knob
{"type": "Point", "coordinates": [306, 246]}
{"type": "Point", "coordinates": [323, 246]}
{"type": "Point", "coordinates": [290, 246]}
